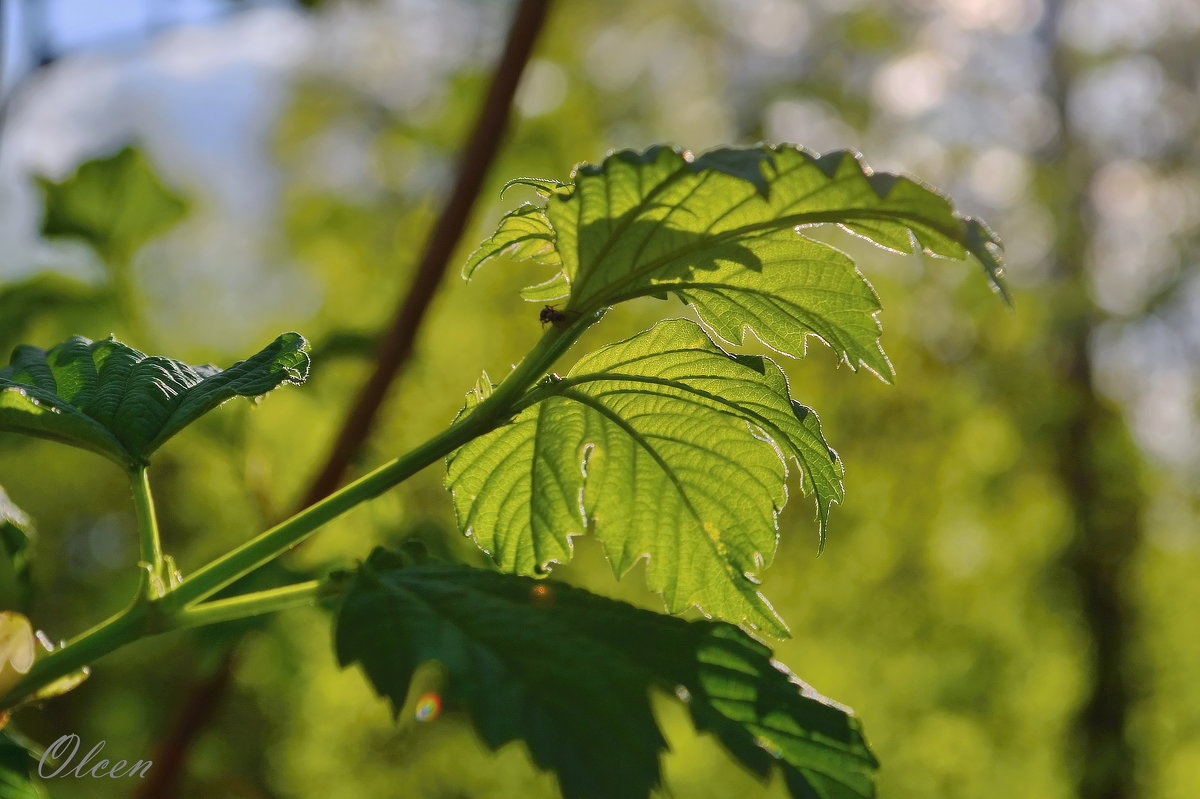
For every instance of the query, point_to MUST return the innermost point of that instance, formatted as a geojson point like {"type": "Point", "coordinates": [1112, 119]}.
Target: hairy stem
{"type": "Point", "coordinates": [153, 570]}
{"type": "Point", "coordinates": [176, 609]}
{"type": "Point", "coordinates": [485, 417]}
{"type": "Point", "coordinates": [255, 604]}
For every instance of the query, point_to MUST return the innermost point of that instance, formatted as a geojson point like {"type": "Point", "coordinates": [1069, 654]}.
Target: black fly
{"type": "Point", "coordinates": [551, 315]}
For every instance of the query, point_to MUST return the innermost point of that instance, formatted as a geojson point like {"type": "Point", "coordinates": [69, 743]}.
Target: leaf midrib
{"type": "Point", "coordinates": [837, 216]}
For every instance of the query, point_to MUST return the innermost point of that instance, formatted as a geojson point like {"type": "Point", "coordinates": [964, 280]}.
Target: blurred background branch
{"type": "Point", "coordinates": [394, 349]}
{"type": "Point", "coordinates": [396, 346]}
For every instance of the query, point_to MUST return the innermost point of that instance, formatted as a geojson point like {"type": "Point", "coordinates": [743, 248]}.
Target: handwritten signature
{"type": "Point", "coordinates": [63, 751]}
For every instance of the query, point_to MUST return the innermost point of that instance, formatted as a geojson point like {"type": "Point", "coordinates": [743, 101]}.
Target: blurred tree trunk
{"type": "Point", "coordinates": [1097, 461]}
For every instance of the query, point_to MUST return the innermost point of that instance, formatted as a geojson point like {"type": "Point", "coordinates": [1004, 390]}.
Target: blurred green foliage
{"type": "Point", "coordinates": [114, 205]}
{"type": "Point", "coordinates": [940, 609]}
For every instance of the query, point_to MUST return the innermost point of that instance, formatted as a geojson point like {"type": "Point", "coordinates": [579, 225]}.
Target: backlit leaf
{"type": "Point", "coordinates": [663, 446]}
{"type": "Point", "coordinates": [723, 232]}
{"type": "Point", "coordinates": [524, 235]}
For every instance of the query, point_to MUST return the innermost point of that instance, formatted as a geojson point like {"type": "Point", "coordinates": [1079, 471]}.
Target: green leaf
{"type": "Point", "coordinates": [16, 532]}
{"type": "Point", "coordinates": [112, 399]}
{"type": "Point", "coordinates": [17, 765]}
{"type": "Point", "coordinates": [663, 446]}
{"type": "Point", "coordinates": [721, 232]}
{"type": "Point", "coordinates": [524, 235]}
{"type": "Point", "coordinates": [569, 673]}
{"type": "Point", "coordinates": [114, 204]}
{"type": "Point", "coordinates": [543, 186]}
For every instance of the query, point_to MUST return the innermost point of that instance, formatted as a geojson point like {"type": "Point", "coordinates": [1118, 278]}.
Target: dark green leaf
{"type": "Point", "coordinates": [17, 766]}
{"type": "Point", "coordinates": [663, 446]}
{"type": "Point", "coordinates": [112, 399]}
{"type": "Point", "coordinates": [114, 204]}
{"type": "Point", "coordinates": [569, 673]}
{"type": "Point", "coordinates": [721, 232]}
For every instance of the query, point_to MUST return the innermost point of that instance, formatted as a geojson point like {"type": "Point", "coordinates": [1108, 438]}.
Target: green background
{"type": "Point", "coordinates": [946, 608]}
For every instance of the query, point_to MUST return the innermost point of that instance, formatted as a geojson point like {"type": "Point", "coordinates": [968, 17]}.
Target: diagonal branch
{"type": "Point", "coordinates": [396, 347]}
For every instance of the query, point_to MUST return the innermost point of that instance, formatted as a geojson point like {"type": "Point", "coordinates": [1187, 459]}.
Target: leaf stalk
{"type": "Point", "coordinates": [154, 582]}
{"type": "Point", "coordinates": [258, 603]}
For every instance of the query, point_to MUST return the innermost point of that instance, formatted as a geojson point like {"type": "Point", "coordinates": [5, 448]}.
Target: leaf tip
{"type": "Point", "coordinates": [985, 245]}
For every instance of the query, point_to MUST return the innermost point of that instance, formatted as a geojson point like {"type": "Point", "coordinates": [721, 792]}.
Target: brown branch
{"type": "Point", "coordinates": [394, 351]}
{"type": "Point", "coordinates": [1092, 447]}
{"type": "Point", "coordinates": [397, 346]}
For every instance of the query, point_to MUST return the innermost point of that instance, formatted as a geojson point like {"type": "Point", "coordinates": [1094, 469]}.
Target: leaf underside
{"type": "Point", "coordinates": [570, 672]}
{"type": "Point", "coordinates": [111, 399]}
{"type": "Point", "coordinates": [663, 446]}
{"type": "Point", "coordinates": [721, 232]}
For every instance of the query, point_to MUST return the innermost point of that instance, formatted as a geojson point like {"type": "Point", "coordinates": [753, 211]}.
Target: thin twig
{"type": "Point", "coordinates": [394, 352]}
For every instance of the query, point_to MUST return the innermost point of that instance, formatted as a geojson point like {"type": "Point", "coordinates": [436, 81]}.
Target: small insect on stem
{"type": "Point", "coordinates": [553, 316]}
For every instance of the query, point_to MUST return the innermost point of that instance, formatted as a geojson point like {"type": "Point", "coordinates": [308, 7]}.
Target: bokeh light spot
{"type": "Point", "coordinates": [429, 707]}
{"type": "Point", "coordinates": [541, 595]}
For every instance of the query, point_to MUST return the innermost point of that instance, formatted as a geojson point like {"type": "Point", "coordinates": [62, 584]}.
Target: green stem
{"type": "Point", "coordinates": [151, 618]}
{"type": "Point", "coordinates": [486, 416]}
{"type": "Point", "coordinates": [124, 628]}
{"type": "Point", "coordinates": [274, 542]}
{"type": "Point", "coordinates": [153, 569]}
{"type": "Point", "coordinates": [176, 609]}
{"type": "Point", "coordinates": [255, 604]}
